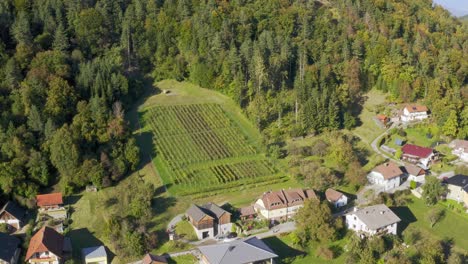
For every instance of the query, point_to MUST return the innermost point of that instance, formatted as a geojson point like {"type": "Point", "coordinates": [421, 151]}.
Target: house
{"type": "Point", "coordinates": [282, 204]}
{"type": "Point", "coordinates": [209, 220]}
{"type": "Point", "coordinates": [458, 188]}
{"type": "Point", "coordinates": [388, 175]}
{"type": "Point", "coordinates": [94, 255]}
{"type": "Point", "coordinates": [373, 220]}
{"type": "Point", "coordinates": [9, 249]}
{"type": "Point", "coordinates": [12, 215]}
{"type": "Point", "coordinates": [460, 148]}
{"type": "Point", "coordinates": [414, 113]}
{"type": "Point", "coordinates": [154, 259]}
{"type": "Point", "coordinates": [247, 212]}
{"type": "Point", "coordinates": [337, 198]}
{"type": "Point", "coordinates": [415, 173]}
{"type": "Point", "coordinates": [416, 154]}
{"type": "Point", "coordinates": [48, 246]}
{"type": "Point", "coordinates": [383, 120]}
{"type": "Point", "coordinates": [250, 250]}
{"type": "Point", "coordinates": [52, 205]}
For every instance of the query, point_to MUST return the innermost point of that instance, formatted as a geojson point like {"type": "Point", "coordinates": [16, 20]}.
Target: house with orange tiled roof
{"type": "Point", "coordinates": [338, 199]}
{"type": "Point", "coordinates": [52, 205]}
{"type": "Point", "coordinates": [388, 175]}
{"type": "Point", "coordinates": [414, 112]}
{"type": "Point", "coordinates": [282, 204]}
{"type": "Point", "coordinates": [48, 246]}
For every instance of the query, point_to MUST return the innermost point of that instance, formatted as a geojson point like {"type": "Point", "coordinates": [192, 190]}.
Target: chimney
{"type": "Point", "coordinates": [231, 248]}
{"type": "Point", "coordinates": [386, 164]}
{"type": "Point", "coordinates": [382, 212]}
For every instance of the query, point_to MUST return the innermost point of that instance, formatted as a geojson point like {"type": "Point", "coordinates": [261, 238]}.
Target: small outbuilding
{"type": "Point", "coordinates": [94, 255]}
{"type": "Point", "coordinates": [154, 259]}
{"type": "Point", "coordinates": [338, 199]}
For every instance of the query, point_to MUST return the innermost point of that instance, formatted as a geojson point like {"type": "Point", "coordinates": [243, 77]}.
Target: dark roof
{"type": "Point", "coordinates": [46, 239]}
{"type": "Point", "coordinates": [14, 209]}
{"type": "Point", "coordinates": [210, 209]}
{"type": "Point", "coordinates": [413, 150]}
{"type": "Point", "coordinates": [152, 259]}
{"type": "Point", "coordinates": [249, 250]}
{"type": "Point", "coordinates": [9, 244]}
{"type": "Point", "coordinates": [459, 180]}
{"type": "Point", "coordinates": [215, 209]}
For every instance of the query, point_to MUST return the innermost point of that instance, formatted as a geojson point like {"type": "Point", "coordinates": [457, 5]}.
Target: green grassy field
{"type": "Point", "coordinates": [203, 145]}
{"type": "Point", "coordinates": [451, 226]}
{"type": "Point", "coordinates": [369, 130]}
{"type": "Point", "coordinates": [288, 253]}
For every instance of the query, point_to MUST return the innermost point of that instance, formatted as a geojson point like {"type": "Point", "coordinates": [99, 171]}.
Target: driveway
{"type": "Point", "coordinates": [174, 221]}
{"type": "Point", "coordinates": [279, 229]}
{"type": "Point", "coordinates": [376, 148]}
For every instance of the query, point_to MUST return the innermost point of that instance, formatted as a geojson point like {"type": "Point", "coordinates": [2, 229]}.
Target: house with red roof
{"type": "Point", "coordinates": [282, 204]}
{"type": "Point", "coordinates": [414, 112]}
{"type": "Point", "coordinates": [48, 246]}
{"type": "Point", "coordinates": [52, 205]}
{"type": "Point", "coordinates": [418, 155]}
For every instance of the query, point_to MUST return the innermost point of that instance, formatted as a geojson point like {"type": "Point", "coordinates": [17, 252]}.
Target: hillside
{"type": "Point", "coordinates": [203, 144]}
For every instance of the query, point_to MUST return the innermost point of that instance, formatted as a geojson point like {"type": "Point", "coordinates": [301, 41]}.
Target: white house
{"type": "Point", "coordinates": [460, 149]}
{"type": "Point", "coordinates": [388, 175]}
{"type": "Point", "coordinates": [337, 198]}
{"type": "Point", "coordinates": [12, 215]}
{"type": "Point", "coordinates": [415, 173]}
{"type": "Point", "coordinates": [282, 204]}
{"type": "Point", "coordinates": [373, 220]}
{"type": "Point", "coordinates": [414, 113]}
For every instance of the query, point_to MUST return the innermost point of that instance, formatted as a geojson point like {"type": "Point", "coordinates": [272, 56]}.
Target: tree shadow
{"type": "Point", "coordinates": [83, 238]}
{"type": "Point", "coordinates": [147, 151]}
{"type": "Point", "coordinates": [407, 217]}
{"type": "Point", "coordinates": [160, 204]}
{"type": "Point", "coordinates": [282, 249]}
{"type": "Point", "coordinates": [72, 199]}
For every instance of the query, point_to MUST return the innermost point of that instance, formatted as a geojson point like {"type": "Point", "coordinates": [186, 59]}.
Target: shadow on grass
{"type": "Point", "coordinates": [282, 249]}
{"type": "Point", "coordinates": [145, 143]}
{"type": "Point", "coordinates": [407, 217]}
{"type": "Point", "coordinates": [83, 238]}
{"type": "Point", "coordinates": [72, 199]}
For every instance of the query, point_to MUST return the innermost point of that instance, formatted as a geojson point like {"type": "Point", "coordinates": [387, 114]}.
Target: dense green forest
{"type": "Point", "coordinates": [70, 68]}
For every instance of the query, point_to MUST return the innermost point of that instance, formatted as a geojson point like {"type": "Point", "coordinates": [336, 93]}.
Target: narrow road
{"type": "Point", "coordinates": [377, 150]}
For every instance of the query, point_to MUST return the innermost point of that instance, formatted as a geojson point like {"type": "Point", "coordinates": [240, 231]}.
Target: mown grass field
{"type": "Point", "coordinates": [368, 129]}
{"type": "Point", "coordinates": [451, 226]}
{"type": "Point", "coordinates": [202, 144]}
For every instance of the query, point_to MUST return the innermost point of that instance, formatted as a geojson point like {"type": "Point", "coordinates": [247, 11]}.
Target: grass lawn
{"type": "Point", "coordinates": [185, 230]}
{"type": "Point", "coordinates": [288, 253]}
{"type": "Point", "coordinates": [369, 130]}
{"type": "Point", "coordinates": [185, 259]}
{"type": "Point", "coordinates": [452, 225]}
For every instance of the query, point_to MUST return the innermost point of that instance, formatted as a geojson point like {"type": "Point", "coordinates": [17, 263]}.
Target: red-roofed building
{"type": "Point", "coordinates": [282, 204]}
{"type": "Point", "coordinates": [51, 204]}
{"type": "Point", "coordinates": [417, 154]}
{"type": "Point", "coordinates": [47, 246]}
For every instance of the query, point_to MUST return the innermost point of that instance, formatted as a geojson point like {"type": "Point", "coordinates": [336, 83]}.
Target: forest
{"type": "Point", "coordinates": [69, 69]}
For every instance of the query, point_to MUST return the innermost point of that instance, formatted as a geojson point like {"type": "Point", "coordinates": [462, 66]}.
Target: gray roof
{"type": "Point", "coordinates": [9, 246]}
{"type": "Point", "coordinates": [94, 252]}
{"type": "Point", "coordinates": [216, 210]}
{"type": "Point", "coordinates": [210, 209]}
{"type": "Point", "coordinates": [459, 180]}
{"type": "Point", "coordinates": [238, 252]}
{"type": "Point", "coordinates": [377, 216]}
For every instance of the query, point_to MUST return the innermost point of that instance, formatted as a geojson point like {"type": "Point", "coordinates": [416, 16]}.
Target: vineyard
{"type": "Point", "coordinates": [203, 150]}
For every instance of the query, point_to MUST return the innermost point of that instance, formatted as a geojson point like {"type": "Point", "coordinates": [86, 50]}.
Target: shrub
{"type": "Point", "coordinates": [325, 253]}
{"type": "Point", "coordinates": [3, 228]}
{"type": "Point", "coordinates": [413, 185]}
{"type": "Point", "coordinates": [401, 132]}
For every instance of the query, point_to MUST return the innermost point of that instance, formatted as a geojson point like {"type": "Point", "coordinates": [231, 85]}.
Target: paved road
{"type": "Point", "coordinates": [279, 229]}
{"type": "Point", "coordinates": [377, 150]}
